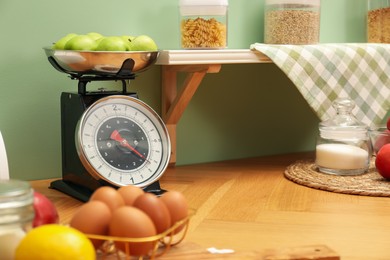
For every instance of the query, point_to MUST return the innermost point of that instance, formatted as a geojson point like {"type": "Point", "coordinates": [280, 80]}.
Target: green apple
{"type": "Point", "coordinates": [143, 43]}
{"type": "Point", "coordinates": [112, 43]}
{"type": "Point", "coordinates": [129, 40]}
{"type": "Point", "coordinates": [81, 43]}
{"type": "Point", "coordinates": [60, 44]}
{"type": "Point", "coordinates": [95, 35]}
{"type": "Point", "coordinates": [99, 40]}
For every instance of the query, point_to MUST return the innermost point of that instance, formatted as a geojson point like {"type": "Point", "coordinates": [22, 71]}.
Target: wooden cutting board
{"type": "Point", "coordinates": [187, 250]}
{"type": "Point", "coordinates": [310, 252]}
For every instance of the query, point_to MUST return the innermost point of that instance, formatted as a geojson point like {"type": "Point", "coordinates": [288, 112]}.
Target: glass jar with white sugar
{"type": "Point", "coordinates": [343, 145]}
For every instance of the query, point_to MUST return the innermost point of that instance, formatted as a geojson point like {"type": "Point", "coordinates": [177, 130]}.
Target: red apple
{"type": "Point", "coordinates": [382, 161]}
{"type": "Point", "coordinates": [45, 210]}
{"type": "Point", "coordinates": [383, 138]}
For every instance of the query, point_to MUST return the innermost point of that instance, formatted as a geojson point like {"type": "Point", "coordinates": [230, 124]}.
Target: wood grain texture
{"type": "Point", "coordinates": [249, 206]}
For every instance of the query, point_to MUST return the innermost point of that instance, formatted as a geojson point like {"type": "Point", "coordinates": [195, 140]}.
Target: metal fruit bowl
{"type": "Point", "coordinates": [105, 63]}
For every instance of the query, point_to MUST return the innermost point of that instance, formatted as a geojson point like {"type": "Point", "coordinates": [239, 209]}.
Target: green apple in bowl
{"type": "Point", "coordinates": [129, 41]}
{"type": "Point", "coordinates": [95, 35]}
{"type": "Point", "coordinates": [60, 44]}
{"type": "Point", "coordinates": [128, 37]}
{"type": "Point", "coordinates": [112, 43]}
{"type": "Point", "coordinates": [81, 42]}
{"type": "Point", "coordinates": [143, 43]}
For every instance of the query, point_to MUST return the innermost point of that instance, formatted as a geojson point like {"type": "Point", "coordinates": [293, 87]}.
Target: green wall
{"type": "Point", "coordinates": [244, 111]}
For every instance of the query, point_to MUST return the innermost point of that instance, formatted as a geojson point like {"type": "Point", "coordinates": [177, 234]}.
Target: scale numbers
{"type": "Point", "coordinates": [123, 141]}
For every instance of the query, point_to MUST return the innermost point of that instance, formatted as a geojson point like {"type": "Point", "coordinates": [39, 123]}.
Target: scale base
{"type": "Point", "coordinates": [83, 194]}
{"type": "Point", "coordinates": [73, 190]}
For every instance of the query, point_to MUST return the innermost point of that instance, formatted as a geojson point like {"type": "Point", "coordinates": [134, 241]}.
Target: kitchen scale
{"type": "Point", "coordinates": [108, 138]}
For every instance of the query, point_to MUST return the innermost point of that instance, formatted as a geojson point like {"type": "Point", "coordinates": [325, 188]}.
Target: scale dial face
{"type": "Point", "coordinates": [123, 141]}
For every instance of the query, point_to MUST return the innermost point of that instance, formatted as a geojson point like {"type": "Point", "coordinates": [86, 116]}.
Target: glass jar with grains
{"type": "Point", "coordinates": [378, 21]}
{"type": "Point", "coordinates": [292, 21]}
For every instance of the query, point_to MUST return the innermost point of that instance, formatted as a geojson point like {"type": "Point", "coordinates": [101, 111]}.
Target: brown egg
{"type": "Point", "coordinates": [92, 217]}
{"type": "Point", "coordinates": [129, 193]}
{"type": "Point", "coordinates": [177, 206]}
{"type": "Point", "coordinates": [155, 209]}
{"type": "Point", "coordinates": [131, 222]}
{"type": "Point", "coordinates": [108, 195]}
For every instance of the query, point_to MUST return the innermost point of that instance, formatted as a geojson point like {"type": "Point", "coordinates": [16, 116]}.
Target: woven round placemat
{"type": "Point", "coordinates": [368, 184]}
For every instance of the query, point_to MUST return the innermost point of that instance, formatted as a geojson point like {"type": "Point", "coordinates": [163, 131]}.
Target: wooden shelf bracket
{"type": "Point", "coordinates": [175, 100]}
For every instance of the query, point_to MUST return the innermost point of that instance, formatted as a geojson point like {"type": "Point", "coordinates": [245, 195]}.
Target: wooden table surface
{"type": "Point", "coordinates": [249, 206]}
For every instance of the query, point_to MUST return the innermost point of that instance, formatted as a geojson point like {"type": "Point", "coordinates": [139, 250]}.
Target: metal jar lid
{"type": "Point", "coordinates": [16, 201]}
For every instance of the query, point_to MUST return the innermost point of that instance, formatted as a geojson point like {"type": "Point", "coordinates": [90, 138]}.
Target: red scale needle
{"type": "Point", "coordinates": [115, 135]}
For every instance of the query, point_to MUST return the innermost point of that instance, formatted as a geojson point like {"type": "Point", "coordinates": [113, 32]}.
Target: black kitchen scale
{"type": "Point", "coordinates": [108, 137]}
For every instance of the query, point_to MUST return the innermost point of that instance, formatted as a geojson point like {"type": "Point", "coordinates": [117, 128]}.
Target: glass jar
{"type": "Point", "coordinates": [343, 146]}
{"type": "Point", "coordinates": [292, 21]}
{"type": "Point", "coordinates": [203, 24]}
{"type": "Point", "coordinates": [16, 215]}
{"type": "Point", "coordinates": [378, 21]}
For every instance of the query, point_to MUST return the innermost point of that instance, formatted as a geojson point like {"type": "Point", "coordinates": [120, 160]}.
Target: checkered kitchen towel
{"type": "Point", "coordinates": [324, 72]}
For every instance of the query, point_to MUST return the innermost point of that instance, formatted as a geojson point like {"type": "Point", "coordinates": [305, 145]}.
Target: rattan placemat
{"type": "Point", "coordinates": [368, 184]}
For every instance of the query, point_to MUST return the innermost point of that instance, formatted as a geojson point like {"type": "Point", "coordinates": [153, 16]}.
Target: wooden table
{"type": "Point", "coordinates": [248, 206]}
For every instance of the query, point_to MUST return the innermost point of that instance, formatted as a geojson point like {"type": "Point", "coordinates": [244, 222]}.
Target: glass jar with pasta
{"type": "Point", "coordinates": [203, 24]}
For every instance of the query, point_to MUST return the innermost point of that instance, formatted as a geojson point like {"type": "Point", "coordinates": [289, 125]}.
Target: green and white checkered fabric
{"type": "Point", "coordinates": [324, 72]}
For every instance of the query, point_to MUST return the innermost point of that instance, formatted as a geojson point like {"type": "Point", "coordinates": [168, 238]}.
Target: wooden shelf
{"type": "Point", "coordinates": [196, 63]}
{"type": "Point", "coordinates": [226, 56]}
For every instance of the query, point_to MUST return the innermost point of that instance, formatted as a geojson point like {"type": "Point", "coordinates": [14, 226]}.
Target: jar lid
{"type": "Point", "coordinates": [202, 2]}
{"type": "Point", "coordinates": [203, 7]}
{"type": "Point", "coordinates": [302, 2]}
{"type": "Point", "coordinates": [344, 124]}
{"type": "Point", "coordinates": [15, 194]}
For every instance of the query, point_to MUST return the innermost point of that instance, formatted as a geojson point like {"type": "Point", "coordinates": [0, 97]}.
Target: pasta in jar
{"type": "Point", "coordinates": [198, 33]}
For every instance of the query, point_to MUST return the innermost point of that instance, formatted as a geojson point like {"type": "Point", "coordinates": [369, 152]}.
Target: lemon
{"type": "Point", "coordinates": [55, 242]}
